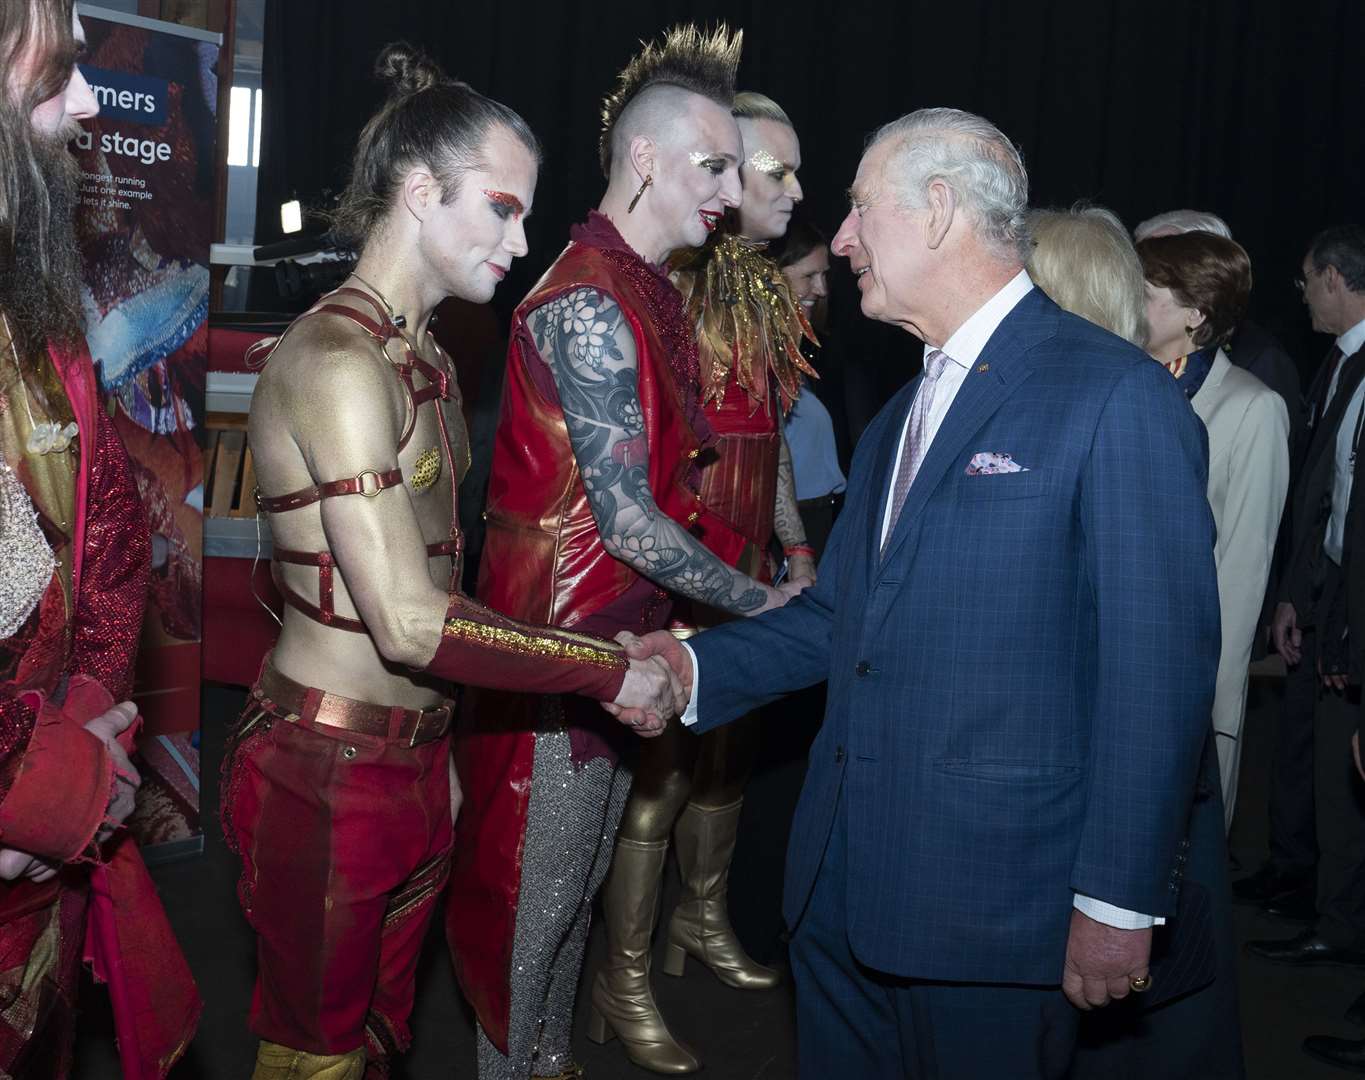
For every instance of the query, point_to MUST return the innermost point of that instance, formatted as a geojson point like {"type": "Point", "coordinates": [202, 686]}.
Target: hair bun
{"type": "Point", "coordinates": [406, 69]}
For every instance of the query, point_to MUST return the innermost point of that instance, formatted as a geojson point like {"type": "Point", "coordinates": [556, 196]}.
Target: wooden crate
{"type": "Point", "coordinates": [231, 478]}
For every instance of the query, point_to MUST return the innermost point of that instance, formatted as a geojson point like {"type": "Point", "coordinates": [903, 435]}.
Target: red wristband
{"type": "Point", "coordinates": [799, 549]}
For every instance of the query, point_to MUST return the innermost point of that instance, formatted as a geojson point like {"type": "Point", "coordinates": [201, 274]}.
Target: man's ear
{"type": "Point", "coordinates": [1194, 319]}
{"type": "Point", "coordinates": [942, 202]}
{"type": "Point", "coordinates": [642, 150]}
{"type": "Point", "coordinates": [421, 193]}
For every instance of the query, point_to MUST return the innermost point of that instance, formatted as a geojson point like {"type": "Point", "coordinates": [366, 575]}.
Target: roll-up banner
{"type": "Point", "coordinates": [145, 226]}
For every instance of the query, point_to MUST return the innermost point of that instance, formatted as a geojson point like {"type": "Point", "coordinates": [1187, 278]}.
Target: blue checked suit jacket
{"type": "Point", "coordinates": [1019, 691]}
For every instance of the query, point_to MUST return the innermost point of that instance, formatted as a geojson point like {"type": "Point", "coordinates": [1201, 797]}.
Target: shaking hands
{"type": "Point", "coordinates": [657, 686]}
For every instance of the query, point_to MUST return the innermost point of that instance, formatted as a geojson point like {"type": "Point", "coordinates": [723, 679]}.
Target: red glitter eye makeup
{"type": "Point", "coordinates": [502, 198]}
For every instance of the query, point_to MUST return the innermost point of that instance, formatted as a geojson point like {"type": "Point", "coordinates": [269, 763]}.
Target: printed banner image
{"type": "Point", "coordinates": [145, 226]}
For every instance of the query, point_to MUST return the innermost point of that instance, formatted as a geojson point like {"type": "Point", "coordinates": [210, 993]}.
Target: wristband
{"type": "Point", "coordinates": [799, 549]}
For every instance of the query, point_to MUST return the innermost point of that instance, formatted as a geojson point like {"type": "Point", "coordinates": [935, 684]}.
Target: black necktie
{"type": "Point", "coordinates": [1324, 399]}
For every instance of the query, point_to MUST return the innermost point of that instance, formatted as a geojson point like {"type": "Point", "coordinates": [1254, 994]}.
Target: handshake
{"type": "Point", "coordinates": [658, 684]}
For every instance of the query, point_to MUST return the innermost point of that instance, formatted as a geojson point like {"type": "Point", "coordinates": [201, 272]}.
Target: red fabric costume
{"type": "Point", "coordinates": [340, 809]}
{"type": "Point", "coordinates": [68, 661]}
{"type": "Point", "coordinates": [544, 560]}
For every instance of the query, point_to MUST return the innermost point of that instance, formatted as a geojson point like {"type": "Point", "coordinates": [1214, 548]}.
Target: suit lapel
{"type": "Point", "coordinates": [1325, 433]}
{"type": "Point", "coordinates": [1002, 365]}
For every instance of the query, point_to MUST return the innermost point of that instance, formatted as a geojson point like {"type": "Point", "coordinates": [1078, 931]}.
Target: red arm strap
{"type": "Point", "coordinates": [368, 483]}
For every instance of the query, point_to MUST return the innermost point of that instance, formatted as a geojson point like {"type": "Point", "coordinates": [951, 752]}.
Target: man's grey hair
{"type": "Point", "coordinates": [1183, 221]}
{"type": "Point", "coordinates": [974, 158]}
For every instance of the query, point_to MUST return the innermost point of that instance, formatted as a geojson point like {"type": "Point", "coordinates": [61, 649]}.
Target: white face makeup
{"type": "Point", "coordinates": [471, 242]}
{"type": "Point", "coordinates": [696, 176]}
{"type": "Point", "coordinates": [771, 189]}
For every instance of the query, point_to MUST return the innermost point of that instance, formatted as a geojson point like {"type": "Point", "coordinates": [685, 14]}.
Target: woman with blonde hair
{"type": "Point", "coordinates": [1084, 260]}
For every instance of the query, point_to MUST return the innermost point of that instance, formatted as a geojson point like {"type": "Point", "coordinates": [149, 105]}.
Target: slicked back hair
{"type": "Point", "coordinates": [751, 105]}
{"type": "Point", "coordinates": [428, 119]}
{"type": "Point", "coordinates": [687, 58]}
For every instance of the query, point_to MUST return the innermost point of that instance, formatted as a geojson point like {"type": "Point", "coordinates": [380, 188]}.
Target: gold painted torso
{"type": "Point", "coordinates": [338, 660]}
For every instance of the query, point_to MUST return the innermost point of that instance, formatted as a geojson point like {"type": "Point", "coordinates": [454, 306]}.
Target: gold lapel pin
{"type": "Point", "coordinates": [984, 367]}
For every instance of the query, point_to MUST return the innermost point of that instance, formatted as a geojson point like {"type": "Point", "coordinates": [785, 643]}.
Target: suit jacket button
{"type": "Point", "coordinates": [838, 754]}
{"type": "Point", "coordinates": [863, 667]}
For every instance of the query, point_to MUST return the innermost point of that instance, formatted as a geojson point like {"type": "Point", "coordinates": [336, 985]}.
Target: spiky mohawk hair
{"type": "Point", "coordinates": [688, 58]}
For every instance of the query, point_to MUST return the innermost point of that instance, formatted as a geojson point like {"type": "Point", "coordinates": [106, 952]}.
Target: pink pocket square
{"type": "Point", "coordinates": [989, 464]}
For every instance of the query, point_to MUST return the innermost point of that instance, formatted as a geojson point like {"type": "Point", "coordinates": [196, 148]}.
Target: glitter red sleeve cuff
{"type": "Point", "coordinates": [479, 647]}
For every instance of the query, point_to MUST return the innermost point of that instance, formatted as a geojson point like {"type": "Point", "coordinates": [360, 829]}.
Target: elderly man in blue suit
{"type": "Point", "coordinates": [1017, 616]}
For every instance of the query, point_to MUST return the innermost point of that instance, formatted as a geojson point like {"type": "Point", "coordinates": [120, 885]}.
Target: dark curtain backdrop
{"type": "Point", "coordinates": [1250, 108]}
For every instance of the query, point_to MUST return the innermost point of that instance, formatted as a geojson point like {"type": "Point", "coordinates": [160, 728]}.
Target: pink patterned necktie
{"type": "Point", "coordinates": [916, 438]}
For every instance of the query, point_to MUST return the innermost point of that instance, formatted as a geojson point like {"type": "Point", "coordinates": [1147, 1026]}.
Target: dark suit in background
{"type": "Point", "coordinates": [1313, 803]}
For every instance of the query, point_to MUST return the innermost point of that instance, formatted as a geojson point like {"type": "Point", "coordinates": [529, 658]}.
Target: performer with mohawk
{"type": "Point", "coordinates": [593, 504]}
{"type": "Point", "coordinates": [749, 335]}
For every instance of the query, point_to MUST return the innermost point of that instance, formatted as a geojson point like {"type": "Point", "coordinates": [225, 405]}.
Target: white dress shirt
{"type": "Point", "coordinates": [962, 349]}
{"type": "Point", "coordinates": [1348, 343]}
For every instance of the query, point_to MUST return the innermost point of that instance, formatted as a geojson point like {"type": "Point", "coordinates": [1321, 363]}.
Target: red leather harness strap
{"type": "Point", "coordinates": [324, 611]}
{"type": "Point", "coordinates": [368, 483]}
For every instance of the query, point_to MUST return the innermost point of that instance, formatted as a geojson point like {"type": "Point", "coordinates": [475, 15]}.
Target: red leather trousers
{"type": "Point", "coordinates": [345, 843]}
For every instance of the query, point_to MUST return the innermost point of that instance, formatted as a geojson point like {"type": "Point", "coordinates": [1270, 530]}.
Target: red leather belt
{"type": "Point", "coordinates": [308, 705]}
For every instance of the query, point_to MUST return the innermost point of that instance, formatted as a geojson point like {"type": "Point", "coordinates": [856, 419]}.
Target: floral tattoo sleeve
{"type": "Point", "coordinates": [590, 350]}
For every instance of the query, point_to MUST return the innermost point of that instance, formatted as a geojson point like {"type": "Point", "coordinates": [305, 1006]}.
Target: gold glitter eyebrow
{"type": "Point", "coordinates": [764, 162]}
{"type": "Point", "coordinates": [702, 160]}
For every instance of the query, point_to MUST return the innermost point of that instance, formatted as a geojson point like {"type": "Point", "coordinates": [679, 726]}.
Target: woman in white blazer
{"type": "Point", "coordinates": [1197, 290]}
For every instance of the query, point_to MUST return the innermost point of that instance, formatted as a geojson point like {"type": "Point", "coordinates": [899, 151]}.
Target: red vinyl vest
{"type": "Point", "coordinates": [543, 561]}
{"type": "Point", "coordinates": [543, 558]}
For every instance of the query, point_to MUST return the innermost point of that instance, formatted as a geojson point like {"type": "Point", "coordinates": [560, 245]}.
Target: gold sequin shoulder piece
{"type": "Point", "coordinates": [748, 323]}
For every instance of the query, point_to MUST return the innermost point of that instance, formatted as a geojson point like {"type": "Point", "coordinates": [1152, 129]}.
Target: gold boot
{"type": "Point", "coordinates": [622, 1002]}
{"type": "Point", "coordinates": [700, 923]}
{"type": "Point", "coordinates": [276, 1062]}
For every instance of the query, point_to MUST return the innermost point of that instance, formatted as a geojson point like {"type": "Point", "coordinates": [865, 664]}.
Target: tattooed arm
{"type": "Point", "coordinates": [590, 349]}
{"type": "Point", "coordinates": [787, 524]}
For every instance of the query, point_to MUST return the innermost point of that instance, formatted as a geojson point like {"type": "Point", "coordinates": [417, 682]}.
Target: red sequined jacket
{"type": "Point", "coordinates": [56, 778]}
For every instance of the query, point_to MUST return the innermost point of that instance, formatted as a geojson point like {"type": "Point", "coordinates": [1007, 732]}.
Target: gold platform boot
{"type": "Point", "coordinates": [276, 1062]}
{"type": "Point", "coordinates": [622, 1001]}
{"type": "Point", "coordinates": [700, 924]}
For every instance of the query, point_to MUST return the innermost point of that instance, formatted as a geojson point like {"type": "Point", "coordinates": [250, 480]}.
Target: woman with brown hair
{"type": "Point", "coordinates": [1198, 285]}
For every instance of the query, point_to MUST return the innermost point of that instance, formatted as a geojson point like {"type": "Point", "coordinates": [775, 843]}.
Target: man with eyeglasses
{"type": "Point", "coordinates": [1317, 830]}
